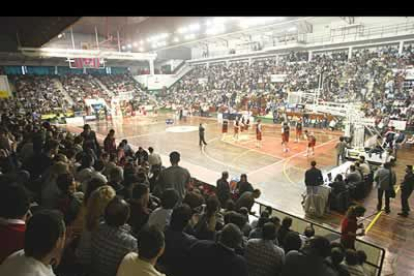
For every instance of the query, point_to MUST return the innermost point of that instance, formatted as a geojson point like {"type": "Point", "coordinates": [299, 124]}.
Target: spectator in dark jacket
{"type": "Point", "coordinates": [222, 260]}
{"type": "Point", "coordinates": [139, 207]}
{"type": "Point", "coordinates": [174, 261]}
{"type": "Point", "coordinates": [313, 177]}
{"type": "Point", "coordinates": [223, 188]}
{"type": "Point", "coordinates": [243, 185]}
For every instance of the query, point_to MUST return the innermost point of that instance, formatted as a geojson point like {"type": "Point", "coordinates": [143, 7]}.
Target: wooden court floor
{"type": "Point", "coordinates": [279, 175]}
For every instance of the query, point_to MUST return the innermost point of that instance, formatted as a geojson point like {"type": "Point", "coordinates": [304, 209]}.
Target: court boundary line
{"type": "Point", "coordinates": [290, 157]}
{"type": "Point", "coordinates": [215, 160]}
{"type": "Point", "coordinates": [374, 221]}
{"type": "Point", "coordinates": [253, 149]}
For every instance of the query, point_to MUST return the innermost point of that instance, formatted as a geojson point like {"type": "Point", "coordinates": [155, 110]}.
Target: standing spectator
{"type": "Point", "coordinates": [151, 244]}
{"type": "Point", "coordinates": [14, 211]}
{"type": "Point", "coordinates": [313, 178]}
{"type": "Point", "coordinates": [89, 140]}
{"type": "Point", "coordinates": [111, 241]}
{"type": "Point", "coordinates": [349, 226]}
{"type": "Point", "coordinates": [177, 242]}
{"type": "Point", "coordinates": [43, 247]}
{"type": "Point", "coordinates": [386, 180]}
{"type": "Point", "coordinates": [247, 200]}
{"type": "Point", "coordinates": [407, 187]}
{"type": "Point", "coordinates": [161, 216]}
{"type": "Point", "coordinates": [340, 151]}
{"type": "Point", "coordinates": [223, 261]}
{"type": "Point", "coordinates": [154, 160]}
{"type": "Point", "coordinates": [263, 257]}
{"type": "Point", "coordinates": [223, 188]}
{"type": "Point", "coordinates": [175, 177]}
{"type": "Point", "coordinates": [284, 229]}
{"type": "Point", "coordinates": [109, 142]}
{"type": "Point", "coordinates": [139, 207]}
{"type": "Point", "coordinates": [243, 185]}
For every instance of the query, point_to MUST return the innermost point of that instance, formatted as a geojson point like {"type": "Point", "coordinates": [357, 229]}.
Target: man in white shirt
{"type": "Point", "coordinates": [43, 247]}
{"type": "Point", "coordinates": [161, 216]}
{"type": "Point", "coordinates": [151, 246]}
{"type": "Point", "coordinates": [154, 160]}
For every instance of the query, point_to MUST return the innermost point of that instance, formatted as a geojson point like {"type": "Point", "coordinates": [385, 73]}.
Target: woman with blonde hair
{"type": "Point", "coordinates": [94, 212]}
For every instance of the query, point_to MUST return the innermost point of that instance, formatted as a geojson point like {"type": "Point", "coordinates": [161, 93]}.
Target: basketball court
{"type": "Point", "coordinates": [279, 175]}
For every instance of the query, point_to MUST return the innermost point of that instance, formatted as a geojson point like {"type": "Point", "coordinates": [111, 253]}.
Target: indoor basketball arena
{"type": "Point", "coordinates": [183, 146]}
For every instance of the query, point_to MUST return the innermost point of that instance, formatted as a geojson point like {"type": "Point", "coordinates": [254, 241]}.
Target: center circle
{"type": "Point", "coordinates": [180, 129]}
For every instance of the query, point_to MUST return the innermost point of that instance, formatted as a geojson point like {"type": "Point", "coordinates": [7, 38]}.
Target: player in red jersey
{"type": "Point", "coordinates": [285, 136]}
{"type": "Point", "coordinates": [311, 143]}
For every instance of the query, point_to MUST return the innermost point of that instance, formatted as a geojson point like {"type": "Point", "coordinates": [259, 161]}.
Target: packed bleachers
{"type": "Point", "coordinates": [115, 202]}
{"type": "Point", "coordinates": [374, 77]}
{"type": "Point", "coordinates": [39, 93]}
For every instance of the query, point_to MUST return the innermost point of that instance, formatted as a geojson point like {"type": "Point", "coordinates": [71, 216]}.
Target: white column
{"type": "Point", "coordinates": [400, 49]}
{"type": "Point", "coordinates": [151, 65]}
{"type": "Point", "coordinates": [310, 56]}
{"type": "Point", "coordinates": [350, 53]}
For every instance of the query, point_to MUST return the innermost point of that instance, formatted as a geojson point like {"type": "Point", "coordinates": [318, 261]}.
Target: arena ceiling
{"type": "Point", "coordinates": [30, 31]}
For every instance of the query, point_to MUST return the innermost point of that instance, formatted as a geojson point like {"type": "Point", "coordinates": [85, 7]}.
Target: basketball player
{"type": "Point", "coordinates": [259, 133]}
{"type": "Point", "coordinates": [224, 129]}
{"type": "Point", "coordinates": [236, 129]}
{"type": "Point", "coordinates": [246, 125]}
{"type": "Point", "coordinates": [285, 136]}
{"type": "Point", "coordinates": [311, 143]}
{"type": "Point", "coordinates": [298, 127]}
{"type": "Point", "coordinates": [242, 124]}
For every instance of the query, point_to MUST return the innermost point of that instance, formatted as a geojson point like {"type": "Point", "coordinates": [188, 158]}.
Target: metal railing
{"type": "Point", "coordinates": [375, 254]}
{"type": "Point", "coordinates": [378, 31]}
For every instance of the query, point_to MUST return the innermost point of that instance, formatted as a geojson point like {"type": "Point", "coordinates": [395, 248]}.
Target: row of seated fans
{"type": "Point", "coordinates": [44, 94]}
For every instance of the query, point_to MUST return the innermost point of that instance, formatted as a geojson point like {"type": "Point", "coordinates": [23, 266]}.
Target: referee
{"type": "Point", "coordinates": [201, 131]}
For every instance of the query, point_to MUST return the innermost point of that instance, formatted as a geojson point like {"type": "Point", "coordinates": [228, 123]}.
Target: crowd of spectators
{"type": "Point", "coordinates": [373, 78]}
{"type": "Point", "coordinates": [39, 93]}
{"type": "Point", "coordinates": [44, 95]}
{"type": "Point", "coordinates": [69, 206]}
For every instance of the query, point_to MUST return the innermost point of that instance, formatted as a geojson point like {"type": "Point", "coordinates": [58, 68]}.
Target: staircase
{"type": "Point", "coordinates": [59, 86]}
{"type": "Point", "coordinates": [104, 88]}
{"type": "Point", "coordinates": [157, 82]}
